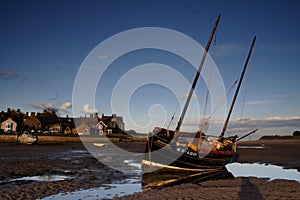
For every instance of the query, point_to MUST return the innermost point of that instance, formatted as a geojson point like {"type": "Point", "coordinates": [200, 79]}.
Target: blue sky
{"type": "Point", "coordinates": [43, 44]}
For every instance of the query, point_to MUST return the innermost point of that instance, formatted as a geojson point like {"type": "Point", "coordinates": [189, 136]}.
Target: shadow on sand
{"type": "Point", "coordinates": [249, 190]}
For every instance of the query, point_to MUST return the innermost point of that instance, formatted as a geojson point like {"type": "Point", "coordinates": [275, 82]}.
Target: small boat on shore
{"type": "Point", "coordinates": [173, 151]}
{"type": "Point", "coordinates": [26, 138]}
{"type": "Point", "coordinates": [100, 144]}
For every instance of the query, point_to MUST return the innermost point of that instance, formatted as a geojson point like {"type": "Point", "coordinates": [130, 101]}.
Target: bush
{"type": "Point", "coordinates": [296, 133]}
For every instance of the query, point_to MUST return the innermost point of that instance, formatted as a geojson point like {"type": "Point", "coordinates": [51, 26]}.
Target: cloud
{"type": "Point", "coordinates": [50, 107]}
{"type": "Point", "coordinates": [242, 126]}
{"type": "Point", "coordinates": [10, 75]}
{"type": "Point", "coordinates": [87, 110]}
{"type": "Point", "coordinates": [258, 102]}
{"type": "Point", "coordinates": [65, 106]}
{"type": "Point", "coordinates": [41, 106]}
{"type": "Point", "coordinates": [270, 122]}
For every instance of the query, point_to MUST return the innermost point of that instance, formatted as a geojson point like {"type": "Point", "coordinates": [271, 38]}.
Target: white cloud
{"type": "Point", "coordinates": [270, 122]}
{"type": "Point", "coordinates": [65, 106]}
{"type": "Point", "coordinates": [41, 106]}
{"type": "Point", "coordinates": [258, 102]}
{"type": "Point", "coordinates": [266, 126]}
{"type": "Point", "coordinates": [87, 110]}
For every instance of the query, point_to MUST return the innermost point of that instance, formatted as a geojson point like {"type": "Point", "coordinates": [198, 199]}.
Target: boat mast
{"type": "Point", "coordinates": [196, 76]}
{"type": "Point", "coordinates": [237, 89]}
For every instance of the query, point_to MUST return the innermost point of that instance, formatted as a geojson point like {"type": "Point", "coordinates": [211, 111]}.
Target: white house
{"type": "Point", "coordinates": [101, 128]}
{"type": "Point", "coordinates": [9, 125]}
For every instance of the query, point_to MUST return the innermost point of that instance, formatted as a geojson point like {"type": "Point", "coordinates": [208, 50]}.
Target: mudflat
{"type": "Point", "coordinates": [278, 152]}
{"type": "Point", "coordinates": [81, 170]}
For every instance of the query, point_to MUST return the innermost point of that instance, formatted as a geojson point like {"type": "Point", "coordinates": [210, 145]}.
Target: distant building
{"type": "Point", "coordinates": [83, 129]}
{"type": "Point", "coordinates": [67, 125]}
{"type": "Point", "coordinates": [49, 120]}
{"type": "Point", "coordinates": [31, 123]}
{"type": "Point", "coordinates": [86, 125]}
{"type": "Point", "coordinates": [16, 116]}
{"type": "Point", "coordinates": [114, 123]}
{"type": "Point", "coordinates": [101, 128]}
{"type": "Point", "coordinates": [94, 125]}
{"type": "Point", "coordinates": [55, 128]}
{"type": "Point", "coordinates": [9, 126]}
{"type": "Point", "coordinates": [14, 121]}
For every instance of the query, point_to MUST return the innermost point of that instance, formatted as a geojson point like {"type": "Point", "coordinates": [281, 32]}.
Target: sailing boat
{"type": "Point", "coordinates": [192, 153]}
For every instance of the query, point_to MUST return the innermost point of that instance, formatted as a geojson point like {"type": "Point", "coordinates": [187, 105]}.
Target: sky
{"type": "Point", "coordinates": [44, 44]}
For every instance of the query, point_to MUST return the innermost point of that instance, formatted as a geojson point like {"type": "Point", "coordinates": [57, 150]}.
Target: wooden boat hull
{"type": "Point", "coordinates": [160, 152]}
{"type": "Point", "coordinates": [166, 163]}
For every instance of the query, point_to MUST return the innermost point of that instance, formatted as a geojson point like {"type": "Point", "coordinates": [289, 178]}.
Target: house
{"type": "Point", "coordinates": [55, 128]}
{"type": "Point", "coordinates": [115, 124]}
{"type": "Point", "coordinates": [101, 128]}
{"type": "Point", "coordinates": [48, 120]}
{"type": "Point", "coordinates": [86, 125]}
{"type": "Point", "coordinates": [31, 122]}
{"type": "Point", "coordinates": [83, 129]}
{"type": "Point", "coordinates": [67, 130]}
{"type": "Point", "coordinates": [16, 121]}
{"type": "Point", "coordinates": [16, 115]}
{"type": "Point", "coordinates": [9, 126]}
{"type": "Point", "coordinates": [67, 125]}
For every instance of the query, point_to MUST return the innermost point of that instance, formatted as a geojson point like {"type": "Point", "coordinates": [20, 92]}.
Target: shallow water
{"type": "Point", "coordinates": [117, 188]}
{"type": "Point", "coordinates": [46, 178]}
{"type": "Point", "coordinates": [262, 171]}
{"type": "Point", "coordinates": [129, 186]}
{"type": "Point", "coordinates": [251, 147]}
{"type": "Point", "coordinates": [106, 191]}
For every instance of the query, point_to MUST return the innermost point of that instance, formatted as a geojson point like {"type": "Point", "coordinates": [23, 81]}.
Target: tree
{"type": "Point", "coordinates": [296, 133]}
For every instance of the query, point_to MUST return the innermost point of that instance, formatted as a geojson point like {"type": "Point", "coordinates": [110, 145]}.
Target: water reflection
{"type": "Point", "coordinates": [108, 191]}
{"type": "Point", "coordinates": [47, 178]}
{"type": "Point", "coordinates": [262, 171]}
{"type": "Point", "coordinates": [169, 177]}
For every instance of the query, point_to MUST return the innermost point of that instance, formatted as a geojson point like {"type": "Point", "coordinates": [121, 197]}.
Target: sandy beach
{"type": "Point", "coordinates": [77, 169]}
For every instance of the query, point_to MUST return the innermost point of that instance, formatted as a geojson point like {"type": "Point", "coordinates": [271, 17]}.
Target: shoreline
{"type": "Point", "coordinates": [68, 139]}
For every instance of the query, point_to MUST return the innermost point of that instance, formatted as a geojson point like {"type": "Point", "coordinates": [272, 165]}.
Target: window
{"type": "Point", "coordinates": [8, 126]}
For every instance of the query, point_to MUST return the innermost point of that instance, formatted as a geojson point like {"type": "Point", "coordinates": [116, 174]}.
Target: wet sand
{"type": "Point", "coordinates": [84, 171]}
{"type": "Point", "coordinates": [279, 152]}
{"type": "Point", "coordinates": [71, 160]}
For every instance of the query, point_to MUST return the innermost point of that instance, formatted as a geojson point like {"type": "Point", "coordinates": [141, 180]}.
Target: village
{"type": "Point", "coordinates": [48, 123]}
